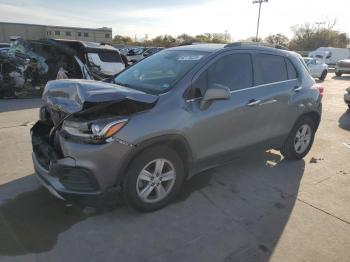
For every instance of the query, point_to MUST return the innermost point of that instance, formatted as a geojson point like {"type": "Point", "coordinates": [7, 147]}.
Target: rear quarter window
{"type": "Point", "coordinates": [111, 57]}
{"type": "Point", "coordinates": [269, 69]}
{"type": "Point", "coordinates": [292, 73]}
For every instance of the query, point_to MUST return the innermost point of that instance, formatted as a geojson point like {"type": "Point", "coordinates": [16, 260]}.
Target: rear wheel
{"type": "Point", "coordinates": [153, 178]}
{"type": "Point", "coordinates": [323, 75]}
{"type": "Point", "coordinates": [338, 73]}
{"type": "Point", "coordinates": [300, 139]}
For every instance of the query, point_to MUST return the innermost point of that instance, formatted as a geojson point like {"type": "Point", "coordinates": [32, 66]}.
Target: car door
{"type": "Point", "coordinates": [227, 124]}
{"type": "Point", "coordinates": [276, 82]}
{"type": "Point", "coordinates": [313, 68]}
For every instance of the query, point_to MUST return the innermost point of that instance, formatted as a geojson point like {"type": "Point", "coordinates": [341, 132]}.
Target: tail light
{"type": "Point", "coordinates": [321, 89]}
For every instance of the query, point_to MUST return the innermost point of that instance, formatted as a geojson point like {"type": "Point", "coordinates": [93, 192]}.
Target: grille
{"type": "Point", "coordinates": [75, 178]}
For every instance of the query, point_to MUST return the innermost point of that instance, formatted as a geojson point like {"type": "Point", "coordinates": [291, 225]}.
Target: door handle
{"type": "Point", "coordinates": [297, 88]}
{"type": "Point", "coordinates": [253, 102]}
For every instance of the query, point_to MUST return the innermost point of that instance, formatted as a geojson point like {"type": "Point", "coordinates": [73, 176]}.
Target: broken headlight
{"type": "Point", "coordinates": [94, 131]}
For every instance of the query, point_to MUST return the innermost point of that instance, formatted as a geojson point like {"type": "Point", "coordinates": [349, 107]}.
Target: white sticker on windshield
{"type": "Point", "coordinates": [189, 57]}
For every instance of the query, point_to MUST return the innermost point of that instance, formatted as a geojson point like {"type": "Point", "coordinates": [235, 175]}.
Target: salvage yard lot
{"type": "Point", "coordinates": [256, 208]}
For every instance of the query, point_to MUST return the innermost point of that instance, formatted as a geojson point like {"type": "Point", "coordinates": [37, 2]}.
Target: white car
{"type": "Point", "coordinates": [102, 59]}
{"type": "Point", "coordinates": [318, 68]}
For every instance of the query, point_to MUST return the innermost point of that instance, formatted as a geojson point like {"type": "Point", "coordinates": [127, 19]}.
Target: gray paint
{"type": "Point", "coordinates": [225, 126]}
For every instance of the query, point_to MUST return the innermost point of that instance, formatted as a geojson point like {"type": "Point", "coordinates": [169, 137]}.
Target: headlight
{"type": "Point", "coordinates": [94, 131]}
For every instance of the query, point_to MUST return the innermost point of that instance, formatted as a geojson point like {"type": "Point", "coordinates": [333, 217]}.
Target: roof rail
{"type": "Point", "coordinates": [261, 44]}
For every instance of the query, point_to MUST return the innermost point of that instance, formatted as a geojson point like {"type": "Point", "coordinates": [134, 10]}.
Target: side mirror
{"type": "Point", "coordinates": [214, 92]}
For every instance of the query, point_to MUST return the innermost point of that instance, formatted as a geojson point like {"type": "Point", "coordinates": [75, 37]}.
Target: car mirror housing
{"type": "Point", "coordinates": [215, 92]}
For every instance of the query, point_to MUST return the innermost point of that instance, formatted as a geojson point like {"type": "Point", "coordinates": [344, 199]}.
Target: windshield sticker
{"type": "Point", "coordinates": [190, 57]}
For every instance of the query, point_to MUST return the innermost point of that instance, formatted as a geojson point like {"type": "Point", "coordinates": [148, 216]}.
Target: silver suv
{"type": "Point", "coordinates": [170, 116]}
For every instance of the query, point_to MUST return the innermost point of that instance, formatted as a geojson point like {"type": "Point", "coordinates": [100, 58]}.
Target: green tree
{"type": "Point", "coordinates": [309, 37]}
{"type": "Point", "coordinates": [123, 40]}
{"type": "Point", "coordinates": [277, 39]}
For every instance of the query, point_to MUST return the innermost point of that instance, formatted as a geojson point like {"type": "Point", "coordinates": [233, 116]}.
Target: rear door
{"type": "Point", "coordinates": [227, 124]}
{"type": "Point", "coordinates": [276, 81]}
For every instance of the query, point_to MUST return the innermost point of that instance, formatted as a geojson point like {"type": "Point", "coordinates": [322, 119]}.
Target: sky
{"type": "Point", "coordinates": [158, 17]}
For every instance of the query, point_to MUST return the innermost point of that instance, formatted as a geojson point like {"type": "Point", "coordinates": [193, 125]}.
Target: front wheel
{"type": "Point", "coordinates": [153, 178]}
{"type": "Point", "coordinates": [338, 73]}
{"type": "Point", "coordinates": [323, 75]}
{"type": "Point", "coordinates": [300, 139]}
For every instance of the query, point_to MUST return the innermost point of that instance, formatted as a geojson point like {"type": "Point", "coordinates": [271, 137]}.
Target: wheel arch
{"type": "Point", "coordinates": [174, 141]}
{"type": "Point", "coordinates": [314, 115]}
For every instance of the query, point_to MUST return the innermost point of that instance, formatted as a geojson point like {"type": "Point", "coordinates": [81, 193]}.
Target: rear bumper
{"type": "Point", "coordinates": [343, 70]}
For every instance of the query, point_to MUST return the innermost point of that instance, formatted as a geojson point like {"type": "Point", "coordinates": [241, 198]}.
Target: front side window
{"type": "Point", "coordinates": [159, 73]}
{"type": "Point", "coordinates": [233, 71]}
{"type": "Point", "coordinates": [269, 69]}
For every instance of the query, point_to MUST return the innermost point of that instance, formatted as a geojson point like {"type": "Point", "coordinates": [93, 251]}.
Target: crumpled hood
{"type": "Point", "coordinates": [72, 96]}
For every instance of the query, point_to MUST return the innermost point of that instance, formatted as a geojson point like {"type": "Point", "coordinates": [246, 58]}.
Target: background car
{"type": "Point", "coordinates": [347, 97]}
{"type": "Point", "coordinates": [342, 67]}
{"type": "Point", "coordinates": [317, 67]}
{"type": "Point", "coordinates": [103, 60]}
{"type": "Point", "coordinates": [136, 54]}
{"type": "Point", "coordinates": [152, 51]}
{"type": "Point", "coordinates": [330, 55]}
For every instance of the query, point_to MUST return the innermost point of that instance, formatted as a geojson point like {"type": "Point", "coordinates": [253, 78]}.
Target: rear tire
{"type": "Point", "coordinates": [145, 188]}
{"type": "Point", "coordinates": [338, 74]}
{"type": "Point", "coordinates": [323, 75]}
{"type": "Point", "coordinates": [298, 144]}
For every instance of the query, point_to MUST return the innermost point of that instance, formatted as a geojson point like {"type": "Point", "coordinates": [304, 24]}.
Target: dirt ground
{"type": "Point", "coordinates": [257, 208]}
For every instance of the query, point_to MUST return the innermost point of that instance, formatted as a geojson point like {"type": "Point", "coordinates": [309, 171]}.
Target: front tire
{"type": "Point", "coordinates": [323, 75]}
{"type": "Point", "coordinates": [338, 73]}
{"type": "Point", "coordinates": [300, 139]}
{"type": "Point", "coordinates": [153, 178]}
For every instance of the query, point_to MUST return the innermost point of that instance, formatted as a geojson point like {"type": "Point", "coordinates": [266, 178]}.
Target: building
{"type": "Point", "coordinates": [36, 32]}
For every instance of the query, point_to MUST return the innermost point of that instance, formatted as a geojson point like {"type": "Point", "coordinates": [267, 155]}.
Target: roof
{"type": "Point", "coordinates": [89, 45]}
{"type": "Point", "coordinates": [237, 46]}
{"type": "Point", "coordinates": [200, 47]}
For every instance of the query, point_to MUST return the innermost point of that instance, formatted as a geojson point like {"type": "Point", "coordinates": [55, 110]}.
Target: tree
{"type": "Point", "coordinates": [123, 40]}
{"type": "Point", "coordinates": [309, 37]}
{"type": "Point", "coordinates": [185, 38]}
{"type": "Point", "coordinates": [277, 39]}
{"type": "Point", "coordinates": [251, 39]}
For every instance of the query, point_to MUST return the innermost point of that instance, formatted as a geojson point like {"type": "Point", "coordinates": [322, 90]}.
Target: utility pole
{"type": "Point", "coordinates": [257, 27]}
{"type": "Point", "coordinates": [319, 24]}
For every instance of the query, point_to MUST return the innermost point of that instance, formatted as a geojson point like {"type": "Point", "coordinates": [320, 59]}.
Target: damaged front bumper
{"type": "Point", "coordinates": [77, 171]}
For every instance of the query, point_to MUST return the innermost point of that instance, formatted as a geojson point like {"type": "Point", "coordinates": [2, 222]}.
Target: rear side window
{"type": "Point", "coordinates": [233, 71]}
{"type": "Point", "coordinates": [292, 73]}
{"type": "Point", "coordinates": [269, 69]}
{"type": "Point", "coordinates": [112, 57]}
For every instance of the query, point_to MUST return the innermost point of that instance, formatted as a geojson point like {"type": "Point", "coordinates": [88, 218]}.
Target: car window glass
{"type": "Point", "coordinates": [269, 69]}
{"type": "Point", "coordinates": [233, 71]}
{"type": "Point", "coordinates": [112, 57]}
{"type": "Point", "coordinates": [160, 72]}
{"type": "Point", "coordinates": [292, 73]}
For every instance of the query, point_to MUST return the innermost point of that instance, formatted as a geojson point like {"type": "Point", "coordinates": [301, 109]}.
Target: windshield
{"type": "Point", "coordinates": [159, 72]}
